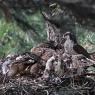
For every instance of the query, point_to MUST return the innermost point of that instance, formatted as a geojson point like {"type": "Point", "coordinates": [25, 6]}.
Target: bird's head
{"type": "Point", "coordinates": [70, 36]}
{"type": "Point", "coordinates": [67, 35]}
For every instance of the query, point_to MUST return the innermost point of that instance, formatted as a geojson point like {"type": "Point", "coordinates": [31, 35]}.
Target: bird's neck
{"type": "Point", "coordinates": [68, 46]}
{"type": "Point", "coordinates": [69, 42]}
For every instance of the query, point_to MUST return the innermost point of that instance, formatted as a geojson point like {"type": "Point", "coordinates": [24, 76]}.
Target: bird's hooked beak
{"type": "Point", "coordinates": [64, 38]}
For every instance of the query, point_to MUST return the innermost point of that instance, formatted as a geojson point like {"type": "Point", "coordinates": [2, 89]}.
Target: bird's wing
{"type": "Point", "coordinates": [80, 50]}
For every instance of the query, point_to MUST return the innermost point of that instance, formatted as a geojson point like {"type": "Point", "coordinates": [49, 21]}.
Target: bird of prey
{"type": "Point", "coordinates": [72, 47]}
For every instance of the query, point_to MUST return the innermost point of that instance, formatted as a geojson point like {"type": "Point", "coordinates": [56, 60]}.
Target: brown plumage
{"type": "Point", "coordinates": [48, 44]}
{"type": "Point", "coordinates": [40, 49]}
{"type": "Point", "coordinates": [15, 69]}
{"type": "Point", "coordinates": [44, 53]}
{"type": "Point", "coordinates": [34, 70]}
{"type": "Point", "coordinates": [72, 47]}
{"type": "Point", "coordinates": [15, 65]}
{"type": "Point", "coordinates": [44, 50]}
{"type": "Point", "coordinates": [47, 54]}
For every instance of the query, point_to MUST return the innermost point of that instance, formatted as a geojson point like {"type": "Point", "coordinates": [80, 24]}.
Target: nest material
{"type": "Point", "coordinates": [69, 84]}
{"type": "Point", "coordinates": [28, 86]}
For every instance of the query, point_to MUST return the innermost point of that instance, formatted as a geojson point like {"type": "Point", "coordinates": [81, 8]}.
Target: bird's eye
{"type": "Point", "coordinates": [52, 61]}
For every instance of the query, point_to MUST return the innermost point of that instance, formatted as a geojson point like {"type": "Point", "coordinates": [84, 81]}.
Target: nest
{"type": "Point", "coordinates": [70, 84]}
{"type": "Point", "coordinates": [74, 80]}
{"type": "Point", "coordinates": [25, 85]}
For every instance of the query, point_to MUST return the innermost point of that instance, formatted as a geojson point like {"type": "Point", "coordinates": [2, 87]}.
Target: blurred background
{"type": "Point", "coordinates": [14, 40]}
{"type": "Point", "coordinates": [27, 26]}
